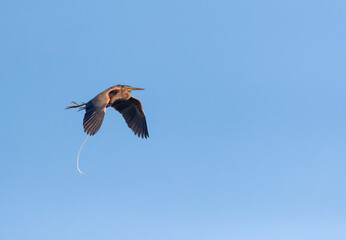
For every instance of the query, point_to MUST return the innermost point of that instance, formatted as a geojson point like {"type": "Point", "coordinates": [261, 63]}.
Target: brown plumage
{"type": "Point", "coordinates": [118, 97]}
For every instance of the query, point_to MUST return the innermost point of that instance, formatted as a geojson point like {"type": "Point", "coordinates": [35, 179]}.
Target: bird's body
{"type": "Point", "coordinates": [118, 97]}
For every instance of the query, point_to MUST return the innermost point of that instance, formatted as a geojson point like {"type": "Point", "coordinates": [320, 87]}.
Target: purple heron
{"type": "Point", "coordinates": [118, 97]}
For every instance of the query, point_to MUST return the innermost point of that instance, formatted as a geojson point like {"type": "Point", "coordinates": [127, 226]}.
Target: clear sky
{"type": "Point", "coordinates": [245, 104]}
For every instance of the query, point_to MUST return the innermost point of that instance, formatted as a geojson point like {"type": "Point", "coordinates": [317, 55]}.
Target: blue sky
{"type": "Point", "coordinates": [245, 104]}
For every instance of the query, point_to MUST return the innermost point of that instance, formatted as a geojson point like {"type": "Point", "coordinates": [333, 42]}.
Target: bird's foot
{"type": "Point", "coordinates": [76, 105]}
{"type": "Point", "coordinates": [81, 108]}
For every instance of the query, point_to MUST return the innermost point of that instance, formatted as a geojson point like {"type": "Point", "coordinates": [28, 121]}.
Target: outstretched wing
{"type": "Point", "coordinates": [133, 114]}
{"type": "Point", "coordinates": [93, 117]}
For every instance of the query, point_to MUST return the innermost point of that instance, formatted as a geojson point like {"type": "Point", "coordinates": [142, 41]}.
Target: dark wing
{"type": "Point", "coordinates": [93, 118]}
{"type": "Point", "coordinates": [133, 114]}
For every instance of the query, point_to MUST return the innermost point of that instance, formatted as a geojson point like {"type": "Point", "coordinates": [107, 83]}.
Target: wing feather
{"type": "Point", "coordinates": [133, 114]}
{"type": "Point", "coordinates": [93, 118]}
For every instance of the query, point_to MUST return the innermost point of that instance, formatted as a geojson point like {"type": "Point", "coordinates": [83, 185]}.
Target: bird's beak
{"type": "Point", "coordinates": [133, 88]}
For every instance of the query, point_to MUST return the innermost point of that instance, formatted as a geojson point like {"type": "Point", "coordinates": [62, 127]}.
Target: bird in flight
{"type": "Point", "coordinates": [118, 97]}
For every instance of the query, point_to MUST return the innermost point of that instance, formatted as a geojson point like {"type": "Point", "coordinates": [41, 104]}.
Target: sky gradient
{"type": "Point", "coordinates": [245, 104]}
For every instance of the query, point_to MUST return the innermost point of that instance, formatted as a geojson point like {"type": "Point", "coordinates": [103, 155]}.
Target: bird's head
{"type": "Point", "coordinates": [124, 91]}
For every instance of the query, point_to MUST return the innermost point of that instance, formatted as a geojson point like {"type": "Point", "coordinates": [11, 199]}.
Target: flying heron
{"type": "Point", "coordinates": [118, 97]}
